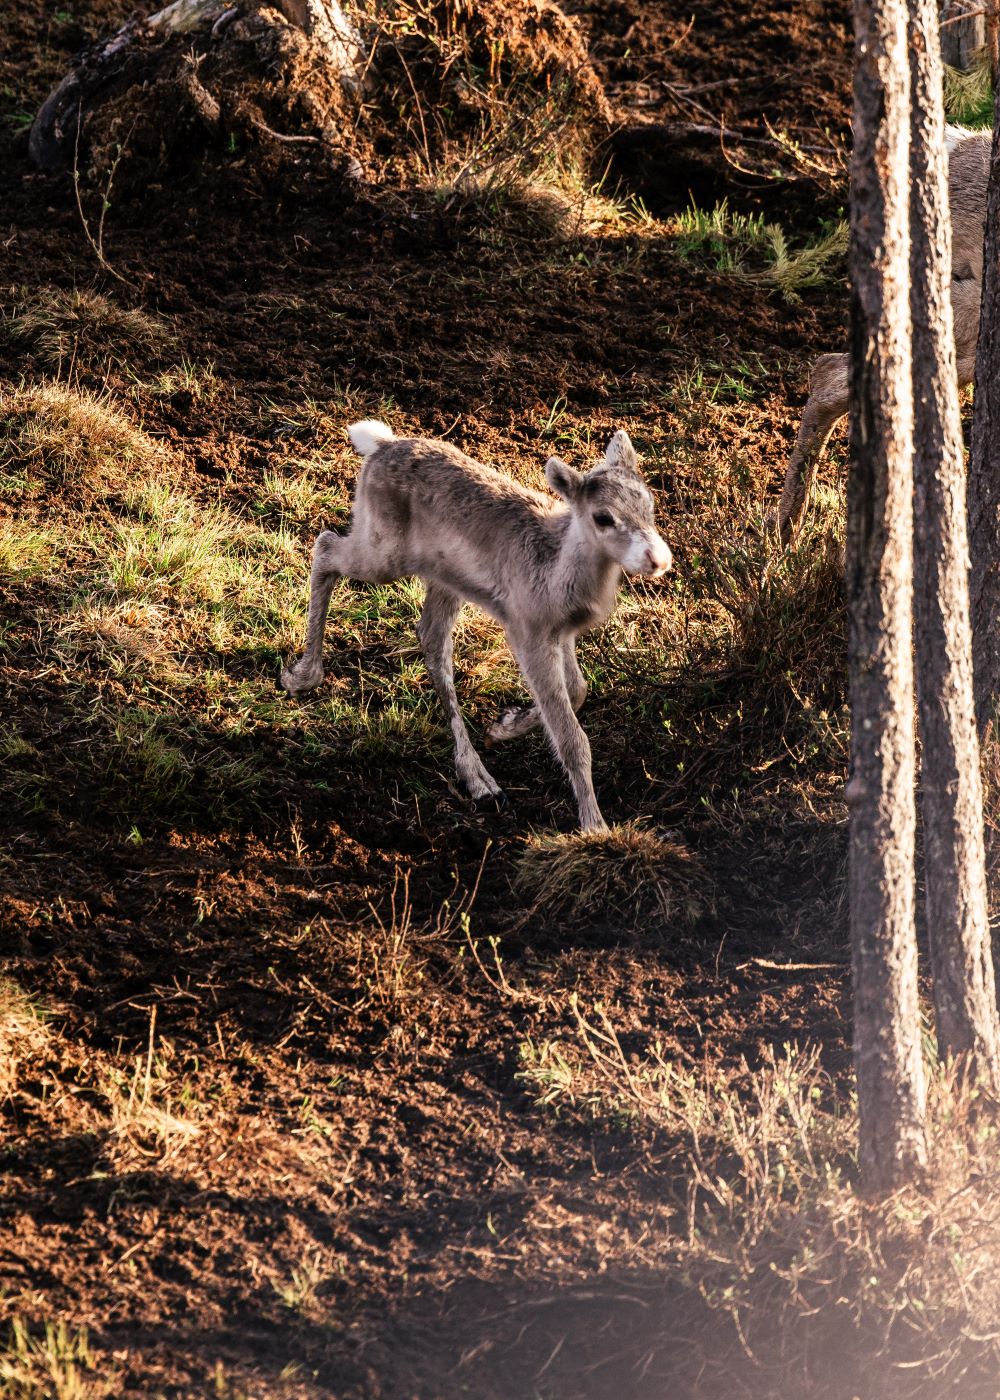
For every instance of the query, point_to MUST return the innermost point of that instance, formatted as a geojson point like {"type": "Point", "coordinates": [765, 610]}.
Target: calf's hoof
{"type": "Point", "coordinates": [293, 681]}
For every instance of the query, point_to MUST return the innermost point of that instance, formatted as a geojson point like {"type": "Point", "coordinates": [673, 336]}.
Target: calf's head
{"type": "Point", "coordinates": [613, 508]}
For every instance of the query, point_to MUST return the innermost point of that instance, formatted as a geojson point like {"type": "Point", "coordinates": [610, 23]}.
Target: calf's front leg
{"type": "Point", "coordinates": [437, 622]}
{"type": "Point", "coordinates": [544, 670]}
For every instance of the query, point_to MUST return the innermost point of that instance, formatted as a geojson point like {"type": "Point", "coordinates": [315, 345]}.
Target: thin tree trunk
{"type": "Point", "coordinates": [879, 587]}
{"type": "Point", "coordinates": [962, 34]}
{"type": "Point", "coordinates": [951, 783]}
{"type": "Point", "coordinates": [984, 462]}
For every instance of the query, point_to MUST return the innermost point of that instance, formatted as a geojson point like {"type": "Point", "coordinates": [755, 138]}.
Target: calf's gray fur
{"type": "Point", "coordinates": [546, 569]}
{"type": "Point", "coordinates": [968, 171]}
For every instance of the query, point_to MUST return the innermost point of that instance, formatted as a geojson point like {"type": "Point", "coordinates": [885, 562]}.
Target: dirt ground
{"type": "Point", "coordinates": [275, 1128]}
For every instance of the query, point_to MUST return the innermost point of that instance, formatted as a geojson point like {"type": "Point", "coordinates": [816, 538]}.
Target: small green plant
{"type": "Point", "coordinates": [299, 1293]}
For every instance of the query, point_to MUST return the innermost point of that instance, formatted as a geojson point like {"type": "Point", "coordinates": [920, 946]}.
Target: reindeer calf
{"type": "Point", "coordinates": [968, 171]}
{"type": "Point", "coordinates": [546, 570]}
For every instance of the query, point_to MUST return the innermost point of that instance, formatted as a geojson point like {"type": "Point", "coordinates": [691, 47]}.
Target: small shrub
{"type": "Point", "coordinates": [743, 245]}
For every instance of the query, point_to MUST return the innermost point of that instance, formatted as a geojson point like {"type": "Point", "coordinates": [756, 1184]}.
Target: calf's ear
{"type": "Point", "coordinates": [620, 455]}
{"type": "Point", "coordinates": [564, 481]}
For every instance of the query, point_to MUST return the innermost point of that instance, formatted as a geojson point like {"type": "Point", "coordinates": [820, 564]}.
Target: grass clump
{"type": "Point", "coordinates": [743, 245]}
{"type": "Point", "coordinates": [27, 550]}
{"type": "Point", "coordinates": [54, 1363]}
{"type": "Point", "coordinates": [629, 872]}
{"type": "Point", "coordinates": [170, 546]}
{"type": "Point", "coordinates": [53, 436]}
{"type": "Point", "coordinates": [149, 1117]}
{"type": "Point", "coordinates": [119, 637]}
{"type": "Point", "coordinates": [84, 328]}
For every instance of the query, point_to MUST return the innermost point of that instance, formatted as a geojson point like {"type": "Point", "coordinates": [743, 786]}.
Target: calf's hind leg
{"type": "Point", "coordinates": [334, 556]}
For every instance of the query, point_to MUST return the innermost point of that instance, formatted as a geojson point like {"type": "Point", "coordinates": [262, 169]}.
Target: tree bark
{"type": "Point", "coordinates": [951, 783]}
{"type": "Point", "coordinates": [880, 792]}
{"type": "Point", "coordinates": [962, 34]}
{"type": "Point", "coordinates": [984, 462]}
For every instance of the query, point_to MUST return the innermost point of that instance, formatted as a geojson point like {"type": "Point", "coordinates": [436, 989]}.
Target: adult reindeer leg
{"type": "Point", "coordinates": [827, 403]}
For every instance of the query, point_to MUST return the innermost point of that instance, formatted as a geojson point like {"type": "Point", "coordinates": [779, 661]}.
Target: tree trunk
{"type": "Point", "coordinates": [879, 588]}
{"type": "Point", "coordinates": [962, 34]}
{"type": "Point", "coordinates": [951, 783]}
{"type": "Point", "coordinates": [984, 473]}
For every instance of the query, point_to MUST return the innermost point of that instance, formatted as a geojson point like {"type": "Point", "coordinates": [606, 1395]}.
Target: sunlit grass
{"type": "Point", "coordinates": [56, 438]}
{"type": "Point", "coordinates": [51, 1360]}
{"type": "Point", "coordinates": [27, 549]}
{"type": "Point", "coordinates": [746, 246]}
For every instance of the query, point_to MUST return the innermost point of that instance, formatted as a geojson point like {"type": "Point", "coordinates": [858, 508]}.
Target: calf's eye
{"type": "Point", "coordinates": [603, 519]}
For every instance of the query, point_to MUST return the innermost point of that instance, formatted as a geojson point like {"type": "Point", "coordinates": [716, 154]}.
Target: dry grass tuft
{"type": "Point", "coordinates": [151, 1114]}
{"type": "Point", "coordinates": [120, 636]}
{"type": "Point", "coordinates": [23, 1034]}
{"type": "Point", "coordinates": [824, 1292]}
{"type": "Point", "coordinates": [387, 966]}
{"type": "Point", "coordinates": [629, 872]}
{"type": "Point", "coordinates": [84, 328]}
{"type": "Point", "coordinates": [52, 436]}
{"type": "Point", "coordinates": [55, 1363]}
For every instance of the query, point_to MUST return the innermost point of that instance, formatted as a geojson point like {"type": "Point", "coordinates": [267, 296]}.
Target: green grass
{"type": "Point", "coordinates": [747, 247]}
{"type": "Point", "coordinates": [28, 550]}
